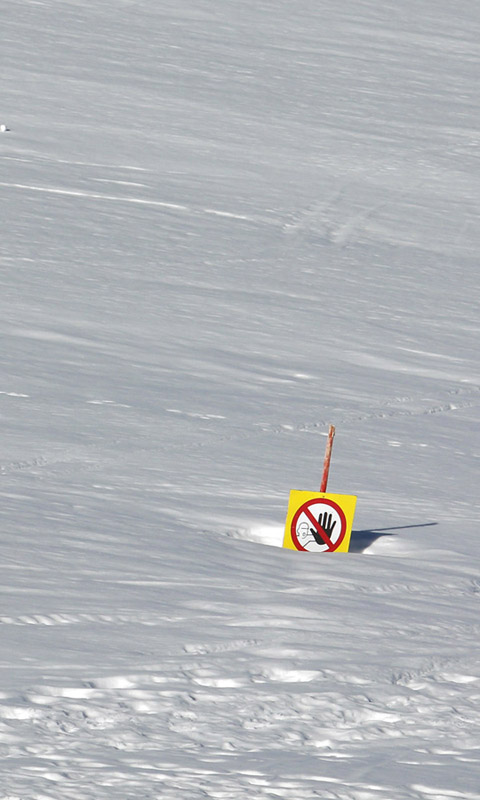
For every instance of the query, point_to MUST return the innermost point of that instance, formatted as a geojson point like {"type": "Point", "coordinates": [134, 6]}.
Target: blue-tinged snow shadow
{"type": "Point", "coordinates": [362, 539]}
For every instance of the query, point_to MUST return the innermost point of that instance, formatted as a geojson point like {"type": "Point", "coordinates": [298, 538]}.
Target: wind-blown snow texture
{"type": "Point", "coordinates": [224, 226]}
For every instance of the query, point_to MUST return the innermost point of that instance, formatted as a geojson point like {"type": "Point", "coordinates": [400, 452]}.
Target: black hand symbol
{"type": "Point", "coordinates": [326, 524]}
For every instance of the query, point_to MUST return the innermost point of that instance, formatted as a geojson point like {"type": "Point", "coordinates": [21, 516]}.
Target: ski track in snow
{"type": "Point", "coordinates": [174, 207]}
{"type": "Point", "coordinates": [459, 399]}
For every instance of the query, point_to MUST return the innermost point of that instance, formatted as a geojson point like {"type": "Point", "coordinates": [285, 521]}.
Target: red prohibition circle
{"type": "Point", "coordinates": [314, 501]}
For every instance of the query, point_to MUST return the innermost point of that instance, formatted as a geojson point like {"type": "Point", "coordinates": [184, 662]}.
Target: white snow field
{"type": "Point", "coordinates": [225, 225]}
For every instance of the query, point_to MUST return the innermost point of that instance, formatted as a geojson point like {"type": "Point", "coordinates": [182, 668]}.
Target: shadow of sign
{"type": "Point", "coordinates": [362, 539]}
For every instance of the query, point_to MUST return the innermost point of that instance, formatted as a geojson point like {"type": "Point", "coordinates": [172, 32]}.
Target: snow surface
{"type": "Point", "coordinates": [226, 225]}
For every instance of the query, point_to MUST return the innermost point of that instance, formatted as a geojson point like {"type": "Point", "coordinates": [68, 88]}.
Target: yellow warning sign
{"type": "Point", "coordinates": [318, 522]}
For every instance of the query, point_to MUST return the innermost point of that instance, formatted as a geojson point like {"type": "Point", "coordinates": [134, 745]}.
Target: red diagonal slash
{"type": "Point", "coordinates": [319, 528]}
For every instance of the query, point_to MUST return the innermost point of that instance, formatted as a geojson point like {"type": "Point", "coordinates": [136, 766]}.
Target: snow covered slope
{"type": "Point", "coordinates": [224, 226]}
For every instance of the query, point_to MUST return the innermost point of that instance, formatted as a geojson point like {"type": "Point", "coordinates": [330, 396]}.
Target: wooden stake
{"type": "Point", "coordinates": [328, 455]}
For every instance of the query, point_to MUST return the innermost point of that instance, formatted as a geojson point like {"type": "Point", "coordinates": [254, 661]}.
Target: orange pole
{"type": "Point", "coordinates": [328, 455]}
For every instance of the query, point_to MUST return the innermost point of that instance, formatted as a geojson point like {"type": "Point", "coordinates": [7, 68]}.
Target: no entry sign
{"type": "Point", "coordinates": [319, 522]}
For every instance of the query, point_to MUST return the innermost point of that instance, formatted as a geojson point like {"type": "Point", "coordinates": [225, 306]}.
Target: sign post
{"type": "Point", "coordinates": [328, 455]}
